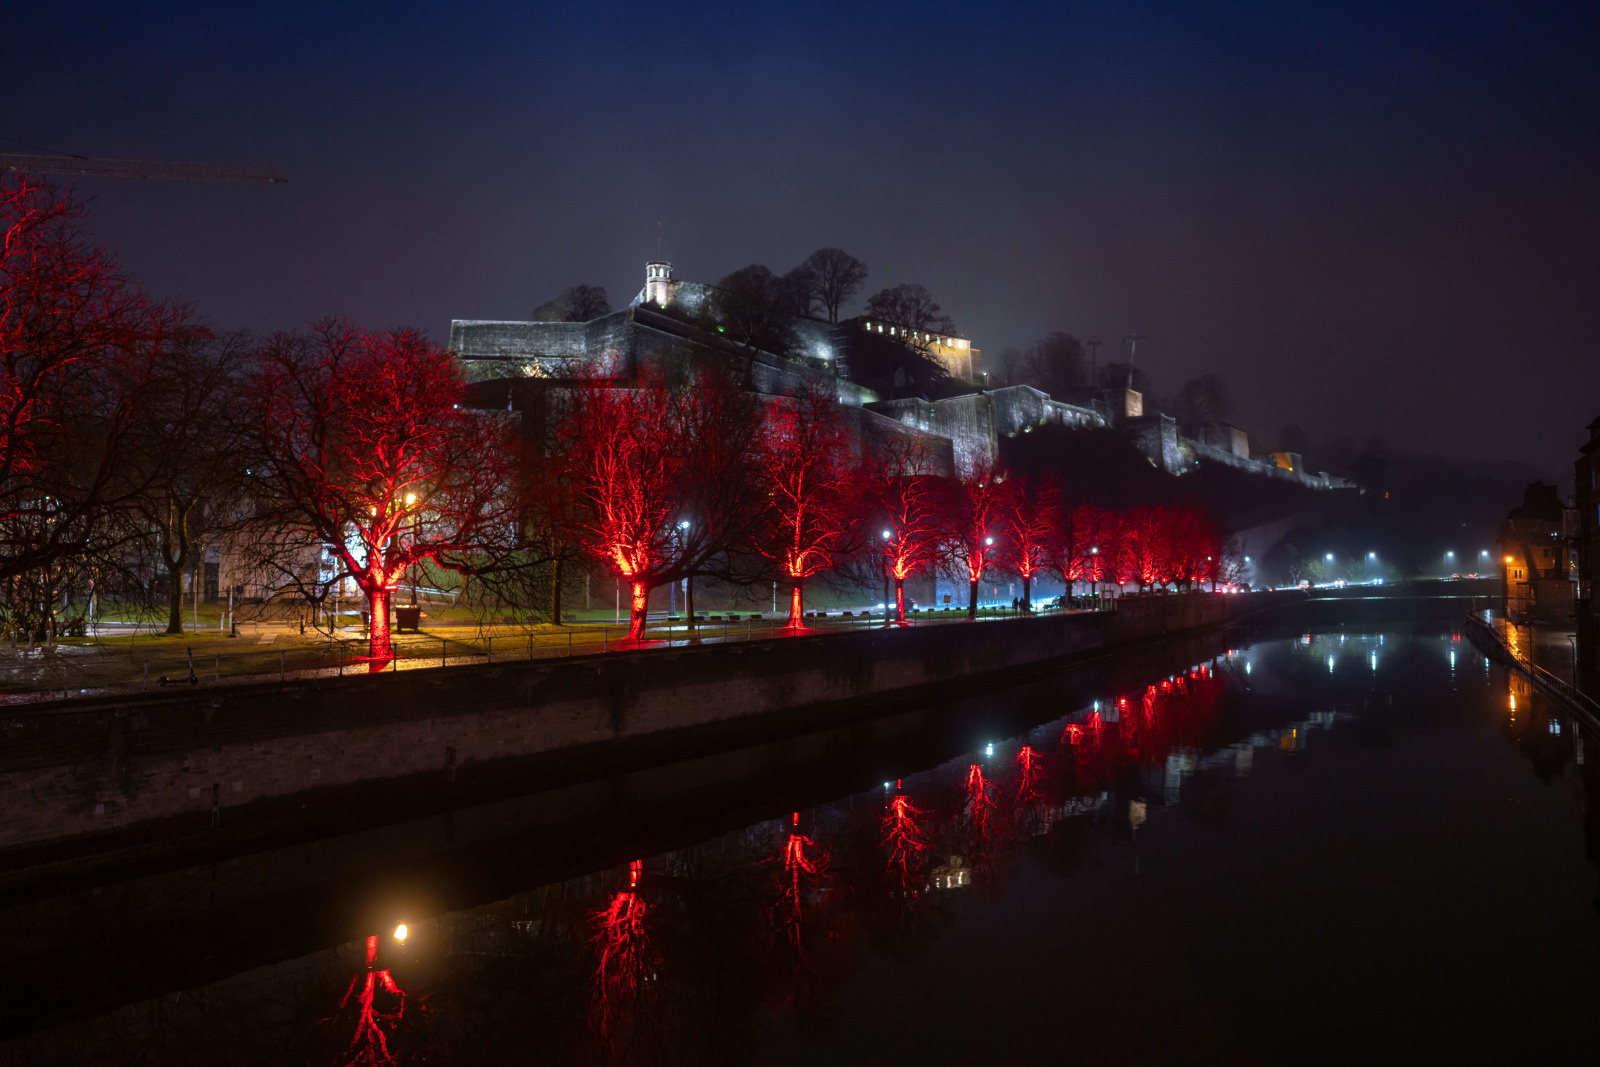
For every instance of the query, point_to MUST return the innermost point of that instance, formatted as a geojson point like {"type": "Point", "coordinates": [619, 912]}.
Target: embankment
{"type": "Point", "coordinates": [168, 774]}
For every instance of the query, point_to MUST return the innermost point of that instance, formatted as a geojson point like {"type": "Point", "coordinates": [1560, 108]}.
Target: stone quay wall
{"type": "Point", "coordinates": [95, 767]}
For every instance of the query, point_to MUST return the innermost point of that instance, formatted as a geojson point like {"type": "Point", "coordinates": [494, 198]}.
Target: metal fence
{"type": "Point", "coordinates": [1550, 683]}
{"type": "Point", "coordinates": [97, 669]}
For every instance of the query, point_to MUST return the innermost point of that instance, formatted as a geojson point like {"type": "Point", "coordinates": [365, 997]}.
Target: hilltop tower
{"type": "Point", "coordinates": [657, 282]}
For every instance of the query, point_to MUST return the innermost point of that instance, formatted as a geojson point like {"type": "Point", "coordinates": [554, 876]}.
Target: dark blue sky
{"type": "Point", "coordinates": [1372, 219]}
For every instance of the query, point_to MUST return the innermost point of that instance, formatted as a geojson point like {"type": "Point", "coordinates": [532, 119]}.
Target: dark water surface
{"type": "Point", "coordinates": [1328, 848]}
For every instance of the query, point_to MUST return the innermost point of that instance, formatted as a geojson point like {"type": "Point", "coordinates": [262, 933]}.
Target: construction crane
{"type": "Point", "coordinates": [150, 169]}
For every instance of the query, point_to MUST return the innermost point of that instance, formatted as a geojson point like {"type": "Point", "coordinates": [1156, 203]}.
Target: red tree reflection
{"type": "Point", "coordinates": [1028, 775]}
{"type": "Point", "coordinates": [628, 958]}
{"type": "Point", "coordinates": [903, 840]}
{"type": "Point", "coordinates": [802, 867]}
{"type": "Point", "coordinates": [370, 1043]}
{"type": "Point", "coordinates": [980, 802]}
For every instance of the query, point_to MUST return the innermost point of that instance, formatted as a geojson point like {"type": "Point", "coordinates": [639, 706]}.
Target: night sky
{"type": "Point", "coordinates": [1371, 218]}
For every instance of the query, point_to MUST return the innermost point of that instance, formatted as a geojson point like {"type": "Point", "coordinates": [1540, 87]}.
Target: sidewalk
{"type": "Point", "coordinates": [129, 658]}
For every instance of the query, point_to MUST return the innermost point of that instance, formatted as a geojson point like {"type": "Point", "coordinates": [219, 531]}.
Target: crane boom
{"type": "Point", "coordinates": [155, 170]}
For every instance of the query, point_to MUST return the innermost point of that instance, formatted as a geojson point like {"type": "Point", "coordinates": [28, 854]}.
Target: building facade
{"type": "Point", "coordinates": [1537, 569]}
{"type": "Point", "coordinates": [1586, 549]}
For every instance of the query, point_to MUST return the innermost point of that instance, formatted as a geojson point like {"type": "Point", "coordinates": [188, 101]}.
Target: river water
{"type": "Point", "coordinates": [1333, 848]}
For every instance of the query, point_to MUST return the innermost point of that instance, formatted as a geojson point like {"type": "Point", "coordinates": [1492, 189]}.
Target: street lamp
{"type": "Point", "coordinates": [886, 536]}
{"type": "Point", "coordinates": [672, 588]}
{"type": "Point", "coordinates": [411, 498]}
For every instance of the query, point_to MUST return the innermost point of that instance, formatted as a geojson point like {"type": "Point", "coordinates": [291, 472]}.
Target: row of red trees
{"type": "Point", "coordinates": [673, 480]}
{"type": "Point", "coordinates": [366, 445]}
{"type": "Point", "coordinates": [126, 428]}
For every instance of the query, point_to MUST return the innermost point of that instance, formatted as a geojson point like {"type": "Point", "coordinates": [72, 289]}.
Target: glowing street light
{"type": "Point", "coordinates": [887, 616]}
{"type": "Point", "coordinates": [401, 933]}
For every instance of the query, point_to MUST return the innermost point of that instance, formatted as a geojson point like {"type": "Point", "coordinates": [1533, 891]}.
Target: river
{"type": "Point", "coordinates": [1259, 848]}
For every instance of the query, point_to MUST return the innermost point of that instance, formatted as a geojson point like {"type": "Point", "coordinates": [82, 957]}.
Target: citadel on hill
{"type": "Point", "coordinates": [672, 321]}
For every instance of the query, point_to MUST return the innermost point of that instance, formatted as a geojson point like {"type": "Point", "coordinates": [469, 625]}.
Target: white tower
{"type": "Point", "coordinates": [657, 282]}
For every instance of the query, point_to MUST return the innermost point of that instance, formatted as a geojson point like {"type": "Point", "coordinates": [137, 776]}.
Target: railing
{"type": "Point", "coordinates": [80, 671]}
{"type": "Point", "coordinates": [1550, 683]}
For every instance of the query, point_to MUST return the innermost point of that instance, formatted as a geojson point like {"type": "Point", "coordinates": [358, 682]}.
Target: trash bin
{"type": "Point", "coordinates": [408, 617]}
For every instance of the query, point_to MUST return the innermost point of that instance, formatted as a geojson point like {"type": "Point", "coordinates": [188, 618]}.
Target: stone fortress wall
{"type": "Point", "coordinates": [963, 432]}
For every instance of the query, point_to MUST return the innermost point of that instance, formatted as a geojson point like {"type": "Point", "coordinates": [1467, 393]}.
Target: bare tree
{"type": "Point", "coordinates": [906, 324]}
{"type": "Point", "coordinates": [187, 446]}
{"type": "Point", "coordinates": [1203, 401]}
{"type": "Point", "coordinates": [836, 277]}
{"type": "Point", "coordinates": [77, 346]}
{"type": "Point", "coordinates": [362, 446]}
{"type": "Point", "coordinates": [578, 304]}
{"type": "Point", "coordinates": [1053, 364]}
{"type": "Point", "coordinates": [750, 307]}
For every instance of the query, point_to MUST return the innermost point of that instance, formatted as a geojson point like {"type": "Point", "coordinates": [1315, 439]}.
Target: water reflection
{"type": "Point", "coordinates": [676, 957]}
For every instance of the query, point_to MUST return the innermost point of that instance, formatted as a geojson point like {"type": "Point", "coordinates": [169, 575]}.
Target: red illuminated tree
{"type": "Point", "coordinates": [972, 523]}
{"type": "Point", "coordinates": [1030, 518]}
{"type": "Point", "coordinates": [668, 477]}
{"type": "Point", "coordinates": [623, 446]}
{"type": "Point", "coordinates": [1100, 546]}
{"type": "Point", "coordinates": [363, 447]}
{"type": "Point", "coordinates": [1196, 549]}
{"type": "Point", "coordinates": [1147, 545]}
{"type": "Point", "coordinates": [812, 511]}
{"type": "Point", "coordinates": [908, 498]}
{"type": "Point", "coordinates": [78, 345]}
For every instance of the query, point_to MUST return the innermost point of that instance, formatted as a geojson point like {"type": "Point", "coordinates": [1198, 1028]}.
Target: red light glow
{"type": "Point", "coordinates": [370, 1043]}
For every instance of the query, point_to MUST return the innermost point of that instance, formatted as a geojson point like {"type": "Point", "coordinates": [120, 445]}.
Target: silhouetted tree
{"type": "Point", "coordinates": [905, 325]}
{"type": "Point", "coordinates": [797, 292]}
{"type": "Point", "coordinates": [578, 304]}
{"type": "Point", "coordinates": [1203, 401]}
{"type": "Point", "coordinates": [1116, 376]}
{"type": "Point", "coordinates": [835, 276]}
{"type": "Point", "coordinates": [1293, 438]}
{"type": "Point", "coordinates": [190, 447]}
{"type": "Point", "coordinates": [1053, 364]}
{"type": "Point", "coordinates": [751, 309]}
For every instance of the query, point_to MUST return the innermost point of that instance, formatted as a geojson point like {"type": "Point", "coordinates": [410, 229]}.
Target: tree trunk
{"type": "Point", "coordinates": [688, 609]}
{"type": "Point", "coordinates": [796, 606]}
{"type": "Point", "coordinates": [175, 599]}
{"type": "Point", "coordinates": [900, 601]}
{"type": "Point", "coordinates": [555, 594]}
{"type": "Point", "coordinates": [972, 599]}
{"type": "Point", "coordinates": [1027, 594]}
{"type": "Point", "coordinates": [378, 607]}
{"type": "Point", "coordinates": [636, 613]}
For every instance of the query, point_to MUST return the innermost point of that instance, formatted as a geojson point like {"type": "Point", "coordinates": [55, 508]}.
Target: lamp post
{"type": "Point", "coordinates": [1328, 556]}
{"type": "Point", "coordinates": [688, 584]}
{"type": "Point", "coordinates": [886, 615]}
{"type": "Point", "coordinates": [411, 499]}
{"type": "Point", "coordinates": [1449, 562]}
